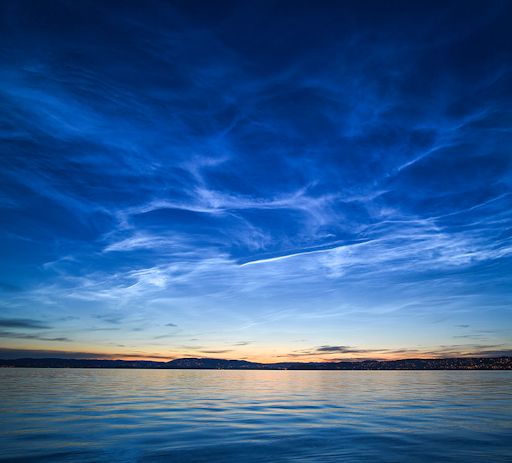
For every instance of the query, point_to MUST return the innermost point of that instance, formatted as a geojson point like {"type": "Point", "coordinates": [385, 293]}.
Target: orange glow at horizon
{"type": "Point", "coordinates": [257, 354]}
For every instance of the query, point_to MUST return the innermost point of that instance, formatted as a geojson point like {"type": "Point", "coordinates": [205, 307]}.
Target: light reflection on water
{"type": "Point", "coordinates": [92, 415]}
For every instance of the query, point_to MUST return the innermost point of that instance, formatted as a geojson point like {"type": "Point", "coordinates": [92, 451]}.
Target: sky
{"type": "Point", "coordinates": [270, 181]}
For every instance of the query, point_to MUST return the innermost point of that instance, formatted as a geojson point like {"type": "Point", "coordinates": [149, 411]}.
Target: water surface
{"type": "Point", "coordinates": [94, 415]}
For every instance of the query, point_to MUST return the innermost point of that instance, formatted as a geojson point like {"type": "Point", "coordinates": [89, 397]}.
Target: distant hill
{"type": "Point", "coordinates": [477, 363]}
{"type": "Point", "coordinates": [208, 363]}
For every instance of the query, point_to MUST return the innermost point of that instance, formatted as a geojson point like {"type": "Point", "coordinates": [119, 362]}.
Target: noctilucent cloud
{"type": "Point", "coordinates": [255, 180]}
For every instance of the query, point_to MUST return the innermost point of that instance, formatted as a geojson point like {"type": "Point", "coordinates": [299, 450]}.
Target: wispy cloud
{"type": "Point", "coordinates": [143, 241]}
{"type": "Point", "coordinates": [39, 337]}
{"type": "Point", "coordinates": [219, 351]}
{"type": "Point", "coordinates": [333, 350]}
{"type": "Point", "coordinates": [456, 350]}
{"type": "Point", "coordinates": [7, 353]}
{"type": "Point", "coordinates": [22, 323]}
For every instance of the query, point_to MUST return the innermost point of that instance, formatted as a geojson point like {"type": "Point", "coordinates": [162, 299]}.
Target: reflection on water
{"type": "Point", "coordinates": [254, 416]}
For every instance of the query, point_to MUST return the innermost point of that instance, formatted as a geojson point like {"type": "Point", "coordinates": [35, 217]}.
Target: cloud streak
{"type": "Point", "coordinates": [22, 323]}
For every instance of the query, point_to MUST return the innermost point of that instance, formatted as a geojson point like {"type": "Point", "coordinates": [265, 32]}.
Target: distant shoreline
{"type": "Point", "coordinates": [473, 363]}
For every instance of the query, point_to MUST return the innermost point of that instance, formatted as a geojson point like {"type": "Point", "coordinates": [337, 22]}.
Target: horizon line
{"type": "Point", "coordinates": [336, 361]}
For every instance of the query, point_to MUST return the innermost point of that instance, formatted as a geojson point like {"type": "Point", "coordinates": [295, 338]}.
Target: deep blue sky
{"type": "Point", "coordinates": [262, 180]}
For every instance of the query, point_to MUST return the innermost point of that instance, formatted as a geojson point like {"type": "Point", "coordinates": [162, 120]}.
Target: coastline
{"type": "Point", "coordinates": [469, 363]}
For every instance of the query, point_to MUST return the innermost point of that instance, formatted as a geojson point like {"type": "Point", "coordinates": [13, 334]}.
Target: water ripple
{"type": "Point", "coordinates": [254, 416]}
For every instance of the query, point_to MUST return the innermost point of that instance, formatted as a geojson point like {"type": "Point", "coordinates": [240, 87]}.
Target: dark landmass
{"type": "Point", "coordinates": [475, 363]}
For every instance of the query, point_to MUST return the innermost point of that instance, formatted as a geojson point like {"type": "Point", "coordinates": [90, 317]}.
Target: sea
{"type": "Point", "coordinates": [181, 416]}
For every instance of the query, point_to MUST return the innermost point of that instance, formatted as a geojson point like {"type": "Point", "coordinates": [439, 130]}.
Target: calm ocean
{"type": "Point", "coordinates": [89, 415]}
